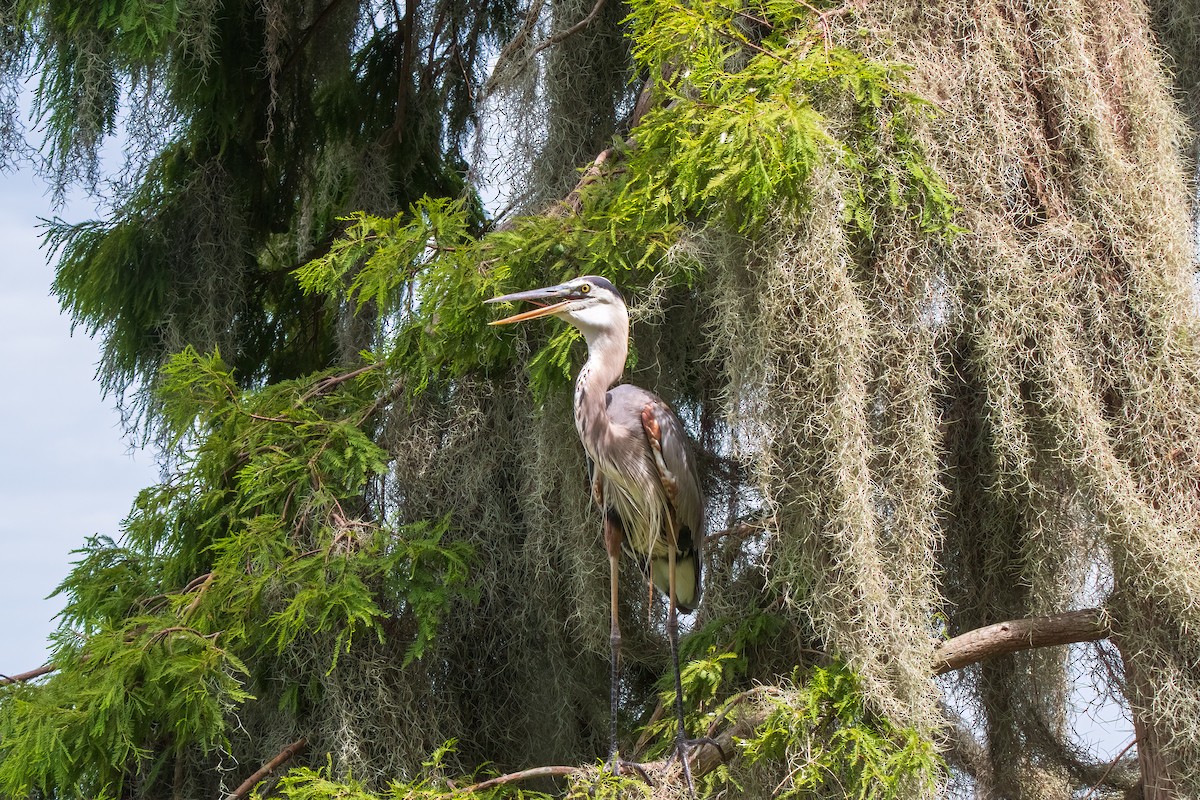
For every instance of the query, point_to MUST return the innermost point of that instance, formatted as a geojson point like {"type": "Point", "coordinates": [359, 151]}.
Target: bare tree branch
{"type": "Point", "coordinates": [1087, 625]}
{"type": "Point", "coordinates": [514, 777]}
{"type": "Point", "coordinates": [522, 36]}
{"type": "Point", "coordinates": [266, 769]}
{"type": "Point", "coordinates": [571, 31]}
{"type": "Point", "coordinates": [1113, 763]}
{"type": "Point", "coordinates": [21, 677]}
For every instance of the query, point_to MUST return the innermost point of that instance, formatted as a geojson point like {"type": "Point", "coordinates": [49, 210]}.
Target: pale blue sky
{"type": "Point", "coordinates": [66, 470]}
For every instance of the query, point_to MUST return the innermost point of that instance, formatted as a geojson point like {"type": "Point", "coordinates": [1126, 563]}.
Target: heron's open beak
{"type": "Point", "coordinates": [539, 296]}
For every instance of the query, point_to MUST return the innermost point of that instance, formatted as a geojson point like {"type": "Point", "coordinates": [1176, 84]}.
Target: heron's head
{"type": "Point", "coordinates": [590, 303]}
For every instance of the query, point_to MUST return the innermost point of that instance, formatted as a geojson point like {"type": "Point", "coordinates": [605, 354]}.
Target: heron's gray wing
{"type": "Point", "coordinates": [648, 442]}
{"type": "Point", "coordinates": [676, 465]}
{"type": "Point", "coordinates": [677, 469]}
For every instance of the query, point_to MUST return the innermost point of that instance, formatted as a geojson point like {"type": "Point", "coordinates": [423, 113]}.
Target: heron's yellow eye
{"type": "Point", "coordinates": [585, 288]}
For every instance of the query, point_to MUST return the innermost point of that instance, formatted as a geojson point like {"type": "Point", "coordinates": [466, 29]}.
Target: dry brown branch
{"type": "Point", "coordinates": [200, 589]}
{"type": "Point", "coordinates": [573, 203]}
{"type": "Point", "coordinates": [21, 677]}
{"type": "Point", "coordinates": [284, 755]}
{"type": "Point", "coordinates": [1087, 625]}
{"type": "Point", "coordinates": [514, 777]}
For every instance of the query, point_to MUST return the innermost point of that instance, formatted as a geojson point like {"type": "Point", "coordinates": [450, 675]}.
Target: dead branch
{"type": "Point", "coordinates": [1087, 625]}
{"type": "Point", "coordinates": [21, 677]}
{"type": "Point", "coordinates": [514, 777]}
{"type": "Point", "coordinates": [266, 769]}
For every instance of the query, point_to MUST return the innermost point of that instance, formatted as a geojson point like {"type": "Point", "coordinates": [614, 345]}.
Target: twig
{"type": "Point", "coordinates": [325, 384]}
{"type": "Point", "coordinates": [381, 401]}
{"type": "Point", "coordinates": [531, 18]}
{"type": "Point", "coordinates": [22, 677]}
{"type": "Point", "coordinates": [513, 777]}
{"type": "Point", "coordinates": [1109, 768]}
{"type": "Point", "coordinates": [195, 582]}
{"type": "Point", "coordinates": [738, 39]}
{"type": "Point", "coordinates": [729, 705]}
{"type": "Point", "coordinates": [573, 202]}
{"type": "Point", "coordinates": [165, 632]}
{"type": "Point", "coordinates": [571, 31]}
{"type": "Point", "coordinates": [266, 769]}
{"type": "Point", "coordinates": [264, 418]}
{"type": "Point", "coordinates": [200, 590]}
{"type": "Point", "coordinates": [823, 18]}
{"type": "Point", "coordinates": [742, 530]}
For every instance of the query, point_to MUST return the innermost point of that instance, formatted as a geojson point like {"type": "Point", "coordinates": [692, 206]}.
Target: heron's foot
{"type": "Point", "coordinates": [683, 751]}
{"type": "Point", "coordinates": [619, 766]}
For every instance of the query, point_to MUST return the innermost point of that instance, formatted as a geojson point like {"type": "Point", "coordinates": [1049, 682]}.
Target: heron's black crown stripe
{"type": "Point", "coordinates": [604, 283]}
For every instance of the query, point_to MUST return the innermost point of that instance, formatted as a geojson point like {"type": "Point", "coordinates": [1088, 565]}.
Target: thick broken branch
{"type": "Point", "coordinates": [1087, 625]}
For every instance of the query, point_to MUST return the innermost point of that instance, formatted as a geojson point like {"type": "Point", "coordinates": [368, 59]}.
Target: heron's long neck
{"type": "Point", "coordinates": [603, 368]}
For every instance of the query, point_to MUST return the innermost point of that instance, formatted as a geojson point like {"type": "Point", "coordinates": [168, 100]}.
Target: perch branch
{"type": "Point", "coordinates": [1087, 625]}
{"type": "Point", "coordinates": [266, 769]}
{"type": "Point", "coordinates": [514, 777]}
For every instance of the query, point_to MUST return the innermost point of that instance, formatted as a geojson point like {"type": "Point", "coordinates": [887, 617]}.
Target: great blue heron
{"type": "Point", "coordinates": [644, 476]}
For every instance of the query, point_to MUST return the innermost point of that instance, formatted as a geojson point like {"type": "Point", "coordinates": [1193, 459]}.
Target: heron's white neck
{"type": "Point", "coordinates": [607, 350]}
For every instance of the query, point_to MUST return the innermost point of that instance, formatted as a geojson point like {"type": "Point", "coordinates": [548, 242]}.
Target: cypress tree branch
{"type": "Point", "coordinates": [518, 41]}
{"type": "Point", "coordinates": [266, 769]}
{"type": "Point", "coordinates": [21, 677]}
{"type": "Point", "coordinates": [1087, 625]}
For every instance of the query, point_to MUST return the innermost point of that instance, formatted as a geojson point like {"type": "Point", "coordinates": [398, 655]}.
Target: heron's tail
{"type": "Point", "coordinates": [687, 579]}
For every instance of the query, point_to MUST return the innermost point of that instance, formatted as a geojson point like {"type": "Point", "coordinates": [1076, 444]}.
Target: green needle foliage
{"type": "Point", "coordinates": [258, 550]}
{"type": "Point", "coordinates": [834, 747]}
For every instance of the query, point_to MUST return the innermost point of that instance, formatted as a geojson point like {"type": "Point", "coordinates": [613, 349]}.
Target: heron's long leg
{"type": "Point", "coordinates": [614, 643]}
{"type": "Point", "coordinates": [613, 536]}
{"type": "Point", "coordinates": [681, 740]}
